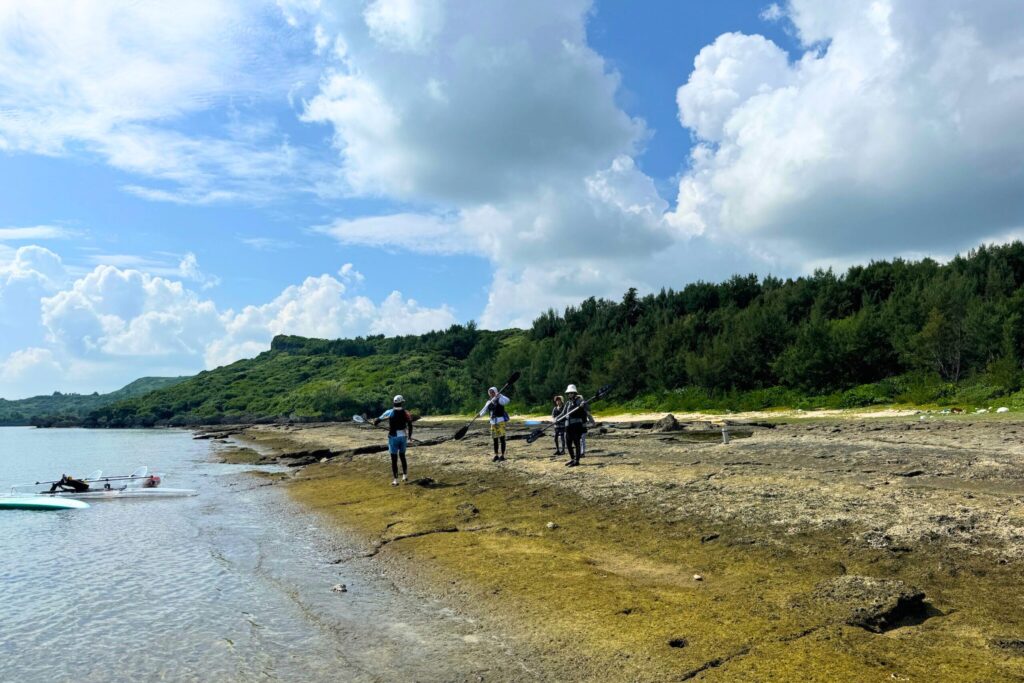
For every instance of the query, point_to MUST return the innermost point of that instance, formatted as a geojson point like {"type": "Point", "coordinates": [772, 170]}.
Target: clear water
{"type": "Point", "coordinates": [231, 585]}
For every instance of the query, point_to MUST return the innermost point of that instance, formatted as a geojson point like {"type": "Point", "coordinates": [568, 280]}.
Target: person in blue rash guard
{"type": "Point", "coordinates": [399, 432]}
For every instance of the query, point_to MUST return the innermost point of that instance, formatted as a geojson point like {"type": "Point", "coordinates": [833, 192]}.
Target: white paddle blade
{"type": "Point", "coordinates": [141, 472]}
{"type": "Point", "coordinates": [359, 419]}
{"type": "Point", "coordinates": [95, 475]}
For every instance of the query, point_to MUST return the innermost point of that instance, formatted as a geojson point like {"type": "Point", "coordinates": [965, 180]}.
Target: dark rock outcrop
{"type": "Point", "coordinates": [669, 423]}
{"type": "Point", "coordinates": [876, 605]}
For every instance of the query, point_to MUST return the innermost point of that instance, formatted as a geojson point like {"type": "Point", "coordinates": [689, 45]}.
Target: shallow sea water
{"type": "Point", "coordinates": [231, 585]}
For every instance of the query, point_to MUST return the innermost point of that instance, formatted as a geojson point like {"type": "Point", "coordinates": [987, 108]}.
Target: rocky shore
{"type": "Point", "coordinates": [807, 549]}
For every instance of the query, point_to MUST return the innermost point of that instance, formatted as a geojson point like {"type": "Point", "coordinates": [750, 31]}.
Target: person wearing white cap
{"type": "Point", "coordinates": [495, 407]}
{"type": "Point", "coordinates": [576, 416]}
{"type": "Point", "coordinates": [399, 432]}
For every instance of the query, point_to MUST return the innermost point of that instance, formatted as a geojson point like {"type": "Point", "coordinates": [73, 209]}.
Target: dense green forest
{"type": "Point", "coordinates": [58, 408]}
{"type": "Point", "coordinates": [889, 332]}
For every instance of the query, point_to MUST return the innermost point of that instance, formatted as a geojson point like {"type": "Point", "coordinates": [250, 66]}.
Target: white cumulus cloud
{"type": "Point", "coordinates": [112, 79]}
{"type": "Point", "coordinates": [898, 129]}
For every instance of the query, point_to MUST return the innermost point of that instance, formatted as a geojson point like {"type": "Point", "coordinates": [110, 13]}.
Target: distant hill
{"type": "Point", "coordinates": [303, 379]}
{"type": "Point", "coordinates": [890, 332]}
{"type": "Point", "coordinates": [58, 407]}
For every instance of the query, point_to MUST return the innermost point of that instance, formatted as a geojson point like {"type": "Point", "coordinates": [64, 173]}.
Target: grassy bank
{"type": "Point", "coordinates": [914, 390]}
{"type": "Point", "coordinates": [610, 594]}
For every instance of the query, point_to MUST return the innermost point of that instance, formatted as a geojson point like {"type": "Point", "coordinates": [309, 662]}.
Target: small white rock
{"type": "Point", "coordinates": [1003, 409]}
{"type": "Point", "coordinates": [340, 588]}
{"type": "Point", "coordinates": [698, 577]}
{"type": "Point", "coordinates": [323, 459]}
{"type": "Point", "coordinates": [552, 525]}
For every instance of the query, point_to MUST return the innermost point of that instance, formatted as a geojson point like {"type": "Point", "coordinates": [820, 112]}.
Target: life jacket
{"type": "Point", "coordinates": [496, 410]}
{"type": "Point", "coordinates": [398, 420]}
{"type": "Point", "coordinates": [556, 412]}
{"type": "Point", "coordinates": [579, 412]}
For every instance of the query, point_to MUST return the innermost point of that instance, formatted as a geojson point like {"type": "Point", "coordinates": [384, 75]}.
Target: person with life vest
{"type": "Point", "coordinates": [495, 407]}
{"type": "Point", "coordinates": [559, 425]}
{"type": "Point", "coordinates": [67, 483]}
{"type": "Point", "coordinates": [576, 416]}
{"type": "Point", "coordinates": [399, 432]}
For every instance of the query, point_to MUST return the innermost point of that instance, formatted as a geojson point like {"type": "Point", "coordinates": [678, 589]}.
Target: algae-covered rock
{"type": "Point", "coordinates": [467, 510]}
{"type": "Point", "coordinates": [877, 605]}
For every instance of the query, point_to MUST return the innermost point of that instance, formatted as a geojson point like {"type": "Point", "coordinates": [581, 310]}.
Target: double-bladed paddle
{"type": "Point", "coordinates": [98, 476]}
{"type": "Point", "coordinates": [465, 428]}
{"type": "Point", "coordinates": [360, 420]}
{"type": "Point", "coordinates": [539, 432]}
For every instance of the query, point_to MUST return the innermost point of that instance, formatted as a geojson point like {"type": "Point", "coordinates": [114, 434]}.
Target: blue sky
{"type": "Point", "coordinates": [181, 181]}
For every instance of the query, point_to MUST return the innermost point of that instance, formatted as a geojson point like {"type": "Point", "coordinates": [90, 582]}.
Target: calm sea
{"type": "Point", "coordinates": [231, 585]}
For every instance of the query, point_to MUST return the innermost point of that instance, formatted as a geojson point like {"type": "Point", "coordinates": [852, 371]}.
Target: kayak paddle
{"type": "Point", "coordinates": [465, 428]}
{"type": "Point", "coordinates": [98, 476]}
{"type": "Point", "coordinates": [539, 432]}
{"type": "Point", "coordinates": [360, 420]}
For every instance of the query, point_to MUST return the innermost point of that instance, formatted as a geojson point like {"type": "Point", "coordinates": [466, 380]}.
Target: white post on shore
{"type": "Point", "coordinates": [725, 433]}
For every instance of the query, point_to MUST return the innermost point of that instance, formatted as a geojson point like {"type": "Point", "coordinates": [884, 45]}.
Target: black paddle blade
{"type": "Point", "coordinates": [513, 378]}
{"type": "Point", "coordinates": [603, 391]}
{"type": "Point", "coordinates": [461, 433]}
{"type": "Point", "coordinates": [534, 435]}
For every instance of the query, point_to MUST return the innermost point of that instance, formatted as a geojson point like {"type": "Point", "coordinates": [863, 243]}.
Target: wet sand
{"type": "Point", "coordinates": [832, 548]}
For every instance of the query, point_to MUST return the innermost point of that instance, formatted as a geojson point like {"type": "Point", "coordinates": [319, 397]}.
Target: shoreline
{"type": "Point", "coordinates": [769, 524]}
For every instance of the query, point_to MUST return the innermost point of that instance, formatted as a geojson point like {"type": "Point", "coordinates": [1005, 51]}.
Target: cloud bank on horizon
{"type": "Point", "coordinates": [488, 130]}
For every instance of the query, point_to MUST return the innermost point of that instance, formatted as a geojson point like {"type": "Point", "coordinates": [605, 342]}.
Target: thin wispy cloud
{"type": "Point", "coordinates": [268, 243]}
{"type": "Point", "coordinates": [36, 232]}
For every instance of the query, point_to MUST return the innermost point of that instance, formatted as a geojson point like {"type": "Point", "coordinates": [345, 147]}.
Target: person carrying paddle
{"type": "Point", "coordinates": [576, 416]}
{"type": "Point", "coordinates": [399, 432]}
{"type": "Point", "coordinates": [495, 407]}
{"type": "Point", "coordinates": [559, 426]}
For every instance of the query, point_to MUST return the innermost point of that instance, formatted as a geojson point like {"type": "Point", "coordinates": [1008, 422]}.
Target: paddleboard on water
{"type": "Point", "coordinates": [40, 503]}
{"type": "Point", "coordinates": [123, 492]}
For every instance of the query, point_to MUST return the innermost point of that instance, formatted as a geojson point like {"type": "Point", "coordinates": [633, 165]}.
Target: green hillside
{"type": "Point", "coordinates": [911, 332]}
{"type": "Point", "coordinates": [314, 378]}
{"type": "Point", "coordinates": [59, 408]}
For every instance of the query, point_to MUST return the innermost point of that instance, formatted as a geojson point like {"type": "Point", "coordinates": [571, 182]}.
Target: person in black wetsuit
{"type": "Point", "coordinates": [576, 416]}
{"type": "Point", "coordinates": [559, 425]}
{"type": "Point", "coordinates": [399, 432]}
{"type": "Point", "coordinates": [67, 483]}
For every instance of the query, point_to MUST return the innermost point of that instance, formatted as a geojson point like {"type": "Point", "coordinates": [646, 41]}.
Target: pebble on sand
{"type": "Point", "coordinates": [340, 588]}
{"type": "Point", "coordinates": [698, 577]}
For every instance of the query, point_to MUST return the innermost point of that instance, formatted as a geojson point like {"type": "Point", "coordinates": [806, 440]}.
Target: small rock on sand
{"type": "Point", "coordinates": [467, 510]}
{"type": "Point", "coordinates": [698, 577]}
{"type": "Point", "coordinates": [339, 588]}
{"type": "Point", "coordinates": [552, 525]}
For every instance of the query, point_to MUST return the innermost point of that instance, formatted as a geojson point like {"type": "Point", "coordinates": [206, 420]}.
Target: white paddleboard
{"type": "Point", "coordinates": [40, 503]}
{"type": "Point", "coordinates": [124, 492]}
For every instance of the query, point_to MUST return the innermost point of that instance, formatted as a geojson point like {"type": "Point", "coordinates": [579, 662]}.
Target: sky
{"type": "Point", "coordinates": [182, 180]}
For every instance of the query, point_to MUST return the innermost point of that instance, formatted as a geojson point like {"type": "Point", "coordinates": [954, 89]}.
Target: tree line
{"type": "Point", "coordinates": [890, 331]}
